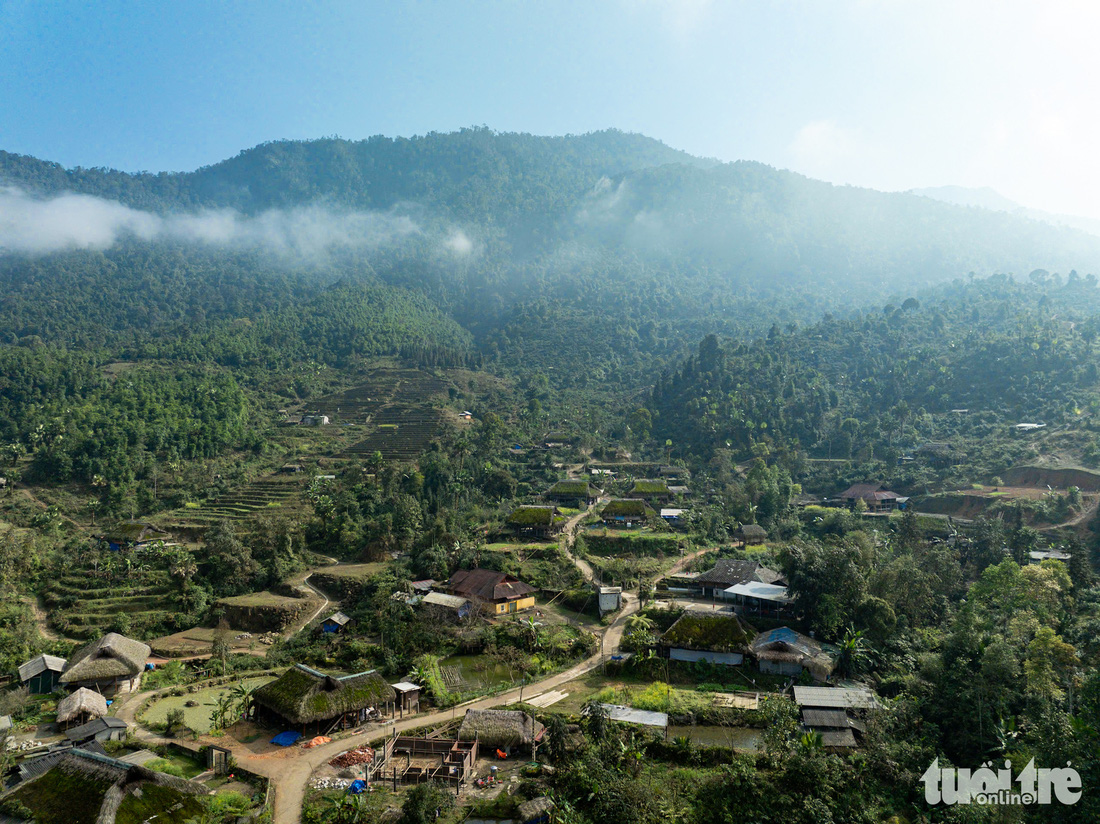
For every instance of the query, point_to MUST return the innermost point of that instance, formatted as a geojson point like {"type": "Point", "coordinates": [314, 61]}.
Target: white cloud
{"type": "Point", "coordinates": [458, 243]}
{"type": "Point", "coordinates": [39, 225]}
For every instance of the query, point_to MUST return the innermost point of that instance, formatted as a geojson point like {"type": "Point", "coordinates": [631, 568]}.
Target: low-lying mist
{"type": "Point", "coordinates": [35, 226]}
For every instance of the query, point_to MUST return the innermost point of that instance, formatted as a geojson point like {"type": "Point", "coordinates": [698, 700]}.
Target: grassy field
{"type": "Point", "coordinates": [197, 717]}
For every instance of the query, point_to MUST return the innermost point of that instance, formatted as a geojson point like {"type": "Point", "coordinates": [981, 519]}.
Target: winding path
{"type": "Point", "coordinates": [289, 770]}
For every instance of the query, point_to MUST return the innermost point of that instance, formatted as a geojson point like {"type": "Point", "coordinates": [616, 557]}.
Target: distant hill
{"type": "Point", "coordinates": [531, 243]}
{"type": "Point", "coordinates": [986, 198]}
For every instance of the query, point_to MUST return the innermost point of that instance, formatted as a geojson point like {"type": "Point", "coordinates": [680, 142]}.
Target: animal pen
{"type": "Point", "coordinates": [420, 760]}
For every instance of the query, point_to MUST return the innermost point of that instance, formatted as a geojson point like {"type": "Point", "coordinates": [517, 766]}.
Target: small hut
{"type": "Point", "coordinates": [315, 703]}
{"type": "Point", "coordinates": [408, 697]}
{"type": "Point", "coordinates": [335, 622]}
{"type": "Point", "coordinates": [506, 730]}
{"type": "Point", "coordinates": [133, 534]}
{"type": "Point", "coordinates": [40, 675]}
{"type": "Point", "coordinates": [750, 534]}
{"type": "Point", "coordinates": [81, 707]}
{"type": "Point", "coordinates": [110, 665]}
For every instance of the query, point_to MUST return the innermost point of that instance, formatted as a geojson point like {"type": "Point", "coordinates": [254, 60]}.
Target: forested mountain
{"type": "Point", "coordinates": [886, 382]}
{"type": "Point", "coordinates": [599, 257]}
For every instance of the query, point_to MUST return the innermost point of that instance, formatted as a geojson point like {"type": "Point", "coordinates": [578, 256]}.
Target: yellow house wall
{"type": "Point", "coordinates": [516, 606]}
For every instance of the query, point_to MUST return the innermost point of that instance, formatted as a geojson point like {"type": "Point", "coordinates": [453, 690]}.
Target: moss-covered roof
{"type": "Point", "coordinates": [533, 516]}
{"type": "Point", "coordinates": [303, 695]}
{"type": "Point", "coordinates": [645, 487]}
{"type": "Point", "coordinates": [709, 631]}
{"type": "Point", "coordinates": [574, 488]}
{"type": "Point", "coordinates": [626, 507]}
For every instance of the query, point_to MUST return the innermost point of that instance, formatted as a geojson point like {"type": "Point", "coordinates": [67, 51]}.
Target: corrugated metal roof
{"type": "Point", "coordinates": [38, 665]}
{"type": "Point", "coordinates": [629, 715]}
{"type": "Point", "coordinates": [835, 698]}
{"type": "Point", "coordinates": [829, 719]}
{"type": "Point", "coordinates": [761, 591]}
{"type": "Point", "coordinates": [440, 599]}
{"type": "Point", "coordinates": [838, 738]}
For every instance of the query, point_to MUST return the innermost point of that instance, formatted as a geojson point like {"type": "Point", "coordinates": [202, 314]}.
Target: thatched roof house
{"type": "Point", "coordinates": [752, 534]}
{"type": "Point", "coordinates": [623, 512]}
{"type": "Point", "coordinates": [500, 728]}
{"type": "Point", "coordinates": [536, 520]}
{"type": "Point", "coordinates": [84, 786]}
{"type": "Point", "coordinates": [719, 638]}
{"type": "Point", "coordinates": [81, 706]}
{"type": "Point", "coordinates": [573, 489]}
{"type": "Point", "coordinates": [650, 490]}
{"type": "Point", "coordinates": [305, 697]}
{"type": "Point", "coordinates": [112, 664]}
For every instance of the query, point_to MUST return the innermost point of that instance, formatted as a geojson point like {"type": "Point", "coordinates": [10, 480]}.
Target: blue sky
{"type": "Point", "coordinates": [881, 93]}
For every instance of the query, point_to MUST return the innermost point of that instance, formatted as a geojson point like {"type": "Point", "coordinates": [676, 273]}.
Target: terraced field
{"type": "Point", "coordinates": [275, 494]}
{"type": "Point", "coordinates": [380, 389]}
{"type": "Point", "coordinates": [86, 607]}
{"type": "Point", "coordinates": [400, 433]}
{"type": "Point", "coordinates": [396, 406]}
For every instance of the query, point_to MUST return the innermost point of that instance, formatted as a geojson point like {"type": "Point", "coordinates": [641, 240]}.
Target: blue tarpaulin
{"type": "Point", "coordinates": [286, 739]}
{"type": "Point", "coordinates": [357, 786]}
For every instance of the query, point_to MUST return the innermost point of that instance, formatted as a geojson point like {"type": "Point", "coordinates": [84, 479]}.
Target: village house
{"type": "Point", "coordinates": [335, 623]}
{"type": "Point", "coordinates": [609, 599]}
{"type": "Point", "coordinates": [652, 491]}
{"type": "Point", "coordinates": [728, 572]}
{"type": "Point", "coordinates": [314, 702]}
{"type": "Point", "coordinates": [41, 675]}
{"type": "Point", "coordinates": [506, 730]}
{"type": "Point", "coordinates": [623, 512]}
{"type": "Point", "coordinates": [835, 713]}
{"type": "Point", "coordinates": [496, 592]}
{"type": "Point", "coordinates": [758, 598]}
{"type": "Point", "coordinates": [717, 638]}
{"type": "Point", "coordinates": [574, 491]}
{"type": "Point", "coordinates": [782, 651]}
{"type": "Point", "coordinates": [111, 665]}
{"type": "Point", "coordinates": [84, 784]}
{"type": "Point", "coordinates": [132, 535]}
{"type": "Point", "coordinates": [672, 516]}
{"type": "Point", "coordinates": [536, 521]}
{"type": "Point", "coordinates": [315, 420]}
{"type": "Point", "coordinates": [874, 496]}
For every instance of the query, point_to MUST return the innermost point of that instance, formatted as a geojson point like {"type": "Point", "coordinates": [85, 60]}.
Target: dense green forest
{"type": "Point", "coordinates": [886, 383]}
{"type": "Point", "coordinates": [610, 238]}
